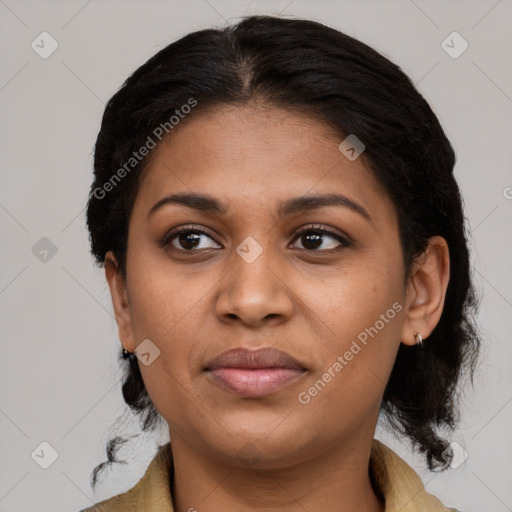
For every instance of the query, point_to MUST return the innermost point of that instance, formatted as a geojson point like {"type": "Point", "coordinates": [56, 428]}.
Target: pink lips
{"type": "Point", "coordinates": [251, 373]}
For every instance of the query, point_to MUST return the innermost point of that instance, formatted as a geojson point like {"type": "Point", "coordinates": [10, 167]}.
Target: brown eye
{"type": "Point", "coordinates": [313, 238]}
{"type": "Point", "coordinates": [187, 239]}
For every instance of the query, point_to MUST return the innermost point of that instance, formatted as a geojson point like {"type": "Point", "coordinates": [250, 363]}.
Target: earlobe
{"type": "Point", "coordinates": [120, 302]}
{"type": "Point", "coordinates": [426, 291]}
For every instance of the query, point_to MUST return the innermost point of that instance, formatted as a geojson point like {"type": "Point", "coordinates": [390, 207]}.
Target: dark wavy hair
{"type": "Point", "coordinates": [307, 67]}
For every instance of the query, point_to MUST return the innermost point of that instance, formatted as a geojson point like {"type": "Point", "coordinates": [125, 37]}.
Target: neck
{"type": "Point", "coordinates": [336, 480]}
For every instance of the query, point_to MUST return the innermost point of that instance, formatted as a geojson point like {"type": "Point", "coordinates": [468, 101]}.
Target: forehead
{"type": "Point", "coordinates": [256, 154]}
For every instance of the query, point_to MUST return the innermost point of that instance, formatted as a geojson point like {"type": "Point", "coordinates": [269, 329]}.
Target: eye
{"type": "Point", "coordinates": [314, 237]}
{"type": "Point", "coordinates": [189, 239]}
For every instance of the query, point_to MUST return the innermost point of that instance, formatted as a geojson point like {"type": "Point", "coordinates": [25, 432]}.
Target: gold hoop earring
{"type": "Point", "coordinates": [127, 354]}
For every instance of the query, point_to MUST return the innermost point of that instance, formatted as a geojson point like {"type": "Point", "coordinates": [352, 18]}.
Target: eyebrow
{"type": "Point", "coordinates": [209, 204]}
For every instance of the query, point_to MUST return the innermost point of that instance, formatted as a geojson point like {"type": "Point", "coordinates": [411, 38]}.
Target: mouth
{"type": "Point", "coordinates": [253, 374]}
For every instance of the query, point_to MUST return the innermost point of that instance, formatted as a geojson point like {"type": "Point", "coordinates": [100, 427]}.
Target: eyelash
{"type": "Point", "coordinates": [316, 228]}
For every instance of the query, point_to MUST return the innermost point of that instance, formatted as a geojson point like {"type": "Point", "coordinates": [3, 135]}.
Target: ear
{"type": "Point", "coordinates": [426, 290]}
{"type": "Point", "coordinates": [120, 301]}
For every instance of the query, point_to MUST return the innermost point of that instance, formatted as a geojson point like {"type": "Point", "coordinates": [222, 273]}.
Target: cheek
{"type": "Point", "coordinates": [354, 299]}
{"type": "Point", "coordinates": [170, 392]}
{"type": "Point", "coordinates": [162, 302]}
{"type": "Point", "coordinates": [358, 320]}
{"type": "Point", "coordinates": [347, 387]}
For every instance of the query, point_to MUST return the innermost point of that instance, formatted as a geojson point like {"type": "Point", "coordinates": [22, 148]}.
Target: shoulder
{"type": "Point", "coordinates": [152, 490]}
{"type": "Point", "coordinates": [399, 483]}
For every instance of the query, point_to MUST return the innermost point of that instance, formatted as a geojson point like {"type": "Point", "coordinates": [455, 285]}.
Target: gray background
{"type": "Point", "coordinates": [60, 380]}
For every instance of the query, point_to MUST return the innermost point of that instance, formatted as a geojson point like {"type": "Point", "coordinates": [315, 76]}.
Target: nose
{"type": "Point", "coordinates": [256, 293]}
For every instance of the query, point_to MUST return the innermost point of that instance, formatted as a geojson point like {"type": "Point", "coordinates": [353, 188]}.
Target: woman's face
{"type": "Point", "coordinates": [250, 282]}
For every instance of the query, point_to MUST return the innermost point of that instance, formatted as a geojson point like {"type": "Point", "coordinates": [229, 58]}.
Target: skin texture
{"type": "Point", "coordinates": [301, 297]}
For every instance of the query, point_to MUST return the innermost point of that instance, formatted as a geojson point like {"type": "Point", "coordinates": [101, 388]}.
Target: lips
{"type": "Point", "coordinates": [254, 373]}
{"type": "Point", "coordinates": [262, 358]}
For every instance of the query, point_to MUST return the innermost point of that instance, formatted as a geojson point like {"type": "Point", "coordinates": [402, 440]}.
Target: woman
{"type": "Point", "coordinates": [284, 240]}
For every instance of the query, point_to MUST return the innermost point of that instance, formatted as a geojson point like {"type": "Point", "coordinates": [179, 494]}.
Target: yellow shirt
{"type": "Point", "coordinates": [399, 484]}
